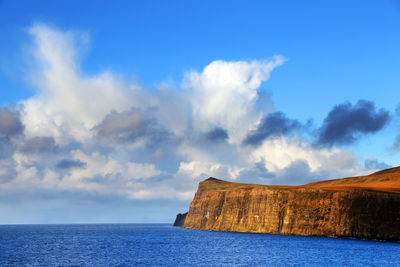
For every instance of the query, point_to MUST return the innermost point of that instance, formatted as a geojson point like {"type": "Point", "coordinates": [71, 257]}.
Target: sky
{"type": "Point", "coordinates": [113, 112]}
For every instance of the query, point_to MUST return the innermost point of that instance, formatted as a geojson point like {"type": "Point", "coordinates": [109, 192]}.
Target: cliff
{"type": "Point", "coordinates": [180, 219]}
{"type": "Point", "coordinates": [362, 207]}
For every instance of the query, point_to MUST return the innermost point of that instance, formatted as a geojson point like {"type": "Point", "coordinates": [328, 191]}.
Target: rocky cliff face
{"type": "Point", "coordinates": [328, 208]}
{"type": "Point", "coordinates": [180, 219]}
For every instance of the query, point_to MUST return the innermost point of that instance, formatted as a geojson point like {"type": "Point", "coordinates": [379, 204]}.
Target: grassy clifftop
{"type": "Point", "coordinates": [386, 181]}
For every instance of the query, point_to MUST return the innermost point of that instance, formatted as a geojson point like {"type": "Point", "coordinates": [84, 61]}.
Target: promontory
{"type": "Point", "coordinates": [365, 207]}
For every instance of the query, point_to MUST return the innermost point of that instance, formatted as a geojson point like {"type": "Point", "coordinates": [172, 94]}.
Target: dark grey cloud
{"type": "Point", "coordinates": [42, 144]}
{"type": "Point", "coordinates": [373, 164]}
{"type": "Point", "coordinates": [68, 164]}
{"type": "Point", "coordinates": [273, 125]}
{"type": "Point", "coordinates": [131, 126]}
{"type": "Point", "coordinates": [217, 135]}
{"type": "Point", "coordinates": [10, 123]}
{"type": "Point", "coordinates": [345, 123]}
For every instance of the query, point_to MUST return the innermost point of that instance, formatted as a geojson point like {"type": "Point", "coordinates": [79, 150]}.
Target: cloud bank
{"type": "Point", "coordinates": [99, 137]}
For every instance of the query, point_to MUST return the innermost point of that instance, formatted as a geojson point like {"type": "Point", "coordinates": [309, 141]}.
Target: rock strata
{"type": "Point", "coordinates": [361, 207]}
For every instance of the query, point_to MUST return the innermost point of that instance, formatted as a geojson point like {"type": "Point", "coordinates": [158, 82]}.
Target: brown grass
{"type": "Point", "coordinates": [386, 180]}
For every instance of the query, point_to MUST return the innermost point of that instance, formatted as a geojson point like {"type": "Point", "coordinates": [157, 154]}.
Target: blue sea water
{"type": "Point", "coordinates": [164, 245]}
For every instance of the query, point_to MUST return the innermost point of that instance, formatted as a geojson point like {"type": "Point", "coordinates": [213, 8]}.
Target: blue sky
{"type": "Point", "coordinates": [124, 107]}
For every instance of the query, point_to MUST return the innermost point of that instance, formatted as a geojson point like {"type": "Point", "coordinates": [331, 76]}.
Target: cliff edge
{"type": "Point", "coordinates": [361, 207]}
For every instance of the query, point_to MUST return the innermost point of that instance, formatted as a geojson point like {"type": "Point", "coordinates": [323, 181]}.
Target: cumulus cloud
{"type": "Point", "coordinates": [67, 104]}
{"type": "Point", "coordinates": [99, 136]}
{"type": "Point", "coordinates": [273, 125]}
{"type": "Point", "coordinates": [279, 153]}
{"type": "Point", "coordinates": [225, 94]}
{"type": "Point", "coordinates": [92, 173]}
{"type": "Point", "coordinates": [98, 165]}
{"type": "Point", "coordinates": [345, 123]}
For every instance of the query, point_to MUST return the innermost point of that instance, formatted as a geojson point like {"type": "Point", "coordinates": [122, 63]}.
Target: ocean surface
{"type": "Point", "coordinates": [164, 245]}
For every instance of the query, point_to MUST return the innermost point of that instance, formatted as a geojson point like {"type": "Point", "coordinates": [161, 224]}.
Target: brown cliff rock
{"type": "Point", "coordinates": [362, 207]}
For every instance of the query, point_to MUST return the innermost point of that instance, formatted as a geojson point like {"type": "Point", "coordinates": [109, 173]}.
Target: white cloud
{"type": "Point", "coordinates": [98, 165]}
{"type": "Point", "coordinates": [67, 104]}
{"type": "Point", "coordinates": [162, 192]}
{"type": "Point", "coordinates": [225, 94]}
{"type": "Point", "coordinates": [101, 175]}
{"type": "Point", "coordinates": [141, 170]}
{"type": "Point", "coordinates": [279, 153]}
{"type": "Point", "coordinates": [202, 170]}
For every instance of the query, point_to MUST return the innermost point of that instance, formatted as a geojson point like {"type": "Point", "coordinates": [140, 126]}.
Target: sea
{"type": "Point", "coordinates": [165, 245]}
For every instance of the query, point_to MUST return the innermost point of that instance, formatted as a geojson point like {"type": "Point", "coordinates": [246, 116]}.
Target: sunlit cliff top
{"type": "Point", "coordinates": [385, 180]}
